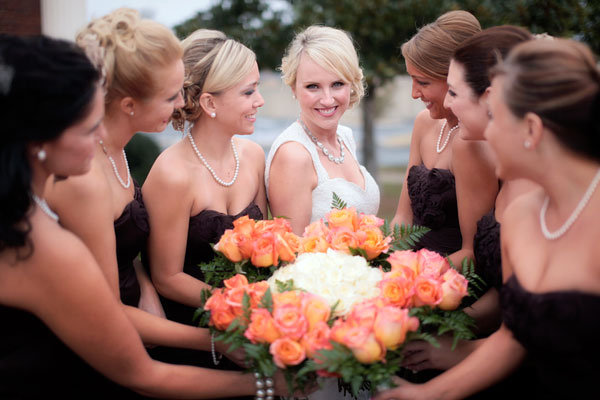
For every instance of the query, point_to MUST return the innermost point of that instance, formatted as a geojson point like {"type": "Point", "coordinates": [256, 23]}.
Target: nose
{"type": "Point", "coordinates": [415, 92]}
{"type": "Point", "coordinates": [448, 101]}
{"type": "Point", "coordinates": [327, 99]}
{"type": "Point", "coordinates": [260, 101]}
{"type": "Point", "coordinates": [179, 103]}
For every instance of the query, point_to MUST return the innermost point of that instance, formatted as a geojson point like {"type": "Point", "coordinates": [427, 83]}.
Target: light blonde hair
{"type": "Point", "coordinates": [213, 63]}
{"type": "Point", "coordinates": [333, 50]}
{"type": "Point", "coordinates": [128, 49]}
{"type": "Point", "coordinates": [431, 48]}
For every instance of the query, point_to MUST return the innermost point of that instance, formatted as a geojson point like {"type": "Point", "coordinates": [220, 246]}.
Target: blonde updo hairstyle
{"type": "Point", "coordinates": [213, 63]}
{"type": "Point", "coordinates": [430, 49]}
{"type": "Point", "coordinates": [128, 49]}
{"type": "Point", "coordinates": [331, 49]}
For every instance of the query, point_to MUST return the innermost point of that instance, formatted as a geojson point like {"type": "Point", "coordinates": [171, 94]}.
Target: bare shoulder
{"type": "Point", "coordinates": [521, 208]}
{"type": "Point", "coordinates": [424, 123]}
{"type": "Point", "coordinates": [81, 188]}
{"type": "Point", "coordinates": [250, 149]}
{"type": "Point", "coordinates": [292, 155]}
{"type": "Point", "coordinates": [170, 170]}
{"type": "Point", "coordinates": [472, 153]}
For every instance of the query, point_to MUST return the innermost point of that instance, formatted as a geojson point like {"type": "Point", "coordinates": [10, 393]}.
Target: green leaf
{"type": "Point", "coordinates": [338, 203]}
{"type": "Point", "coordinates": [284, 286]}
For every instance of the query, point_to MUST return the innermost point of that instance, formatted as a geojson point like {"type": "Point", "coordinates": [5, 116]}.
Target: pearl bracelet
{"type": "Point", "coordinates": [214, 353]}
{"type": "Point", "coordinates": [264, 387]}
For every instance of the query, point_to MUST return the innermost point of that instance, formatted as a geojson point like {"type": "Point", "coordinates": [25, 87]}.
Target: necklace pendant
{"type": "Point", "coordinates": [330, 157]}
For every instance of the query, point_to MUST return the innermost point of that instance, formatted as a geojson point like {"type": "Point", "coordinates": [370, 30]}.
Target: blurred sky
{"type": "Point", "coordinates": [167, 12]}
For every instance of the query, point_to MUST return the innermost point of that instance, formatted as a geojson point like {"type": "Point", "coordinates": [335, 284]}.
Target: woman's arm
{"type": "Point", "coordinates": [404, 214]}
{"type": "Point", "coordinates": [476, 190]}
{"type": "Point", "coordinates": [292, 178]}
{"type": "Point", "coordinates": [149, 300]}
{"type": "Point", "coordinates": [169, 200]}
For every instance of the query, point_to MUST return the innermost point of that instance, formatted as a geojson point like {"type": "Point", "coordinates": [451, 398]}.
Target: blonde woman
{"type": "Point", "coordinates": [315, 156]}
{"type": "Point", "coordinates": [430, 196]}
{"type": "Point", "coordinates": [199, 185]}
{"type": "Point", "coordinates": [143, 75]}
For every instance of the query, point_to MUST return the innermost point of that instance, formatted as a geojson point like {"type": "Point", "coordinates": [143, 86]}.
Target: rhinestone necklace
{"type": "Point", "coordinates": [573, 217]}
{"type": "Point", "coordinates": [437, 146]}
{"type": "Point", "coordinates": [114, 165]}
{"type": "Point", "coordinates": [207, 165]}
{"type": "Point", "coordinates": [45, 207]}
{"type": "Point", "coordinates": [337, 160]}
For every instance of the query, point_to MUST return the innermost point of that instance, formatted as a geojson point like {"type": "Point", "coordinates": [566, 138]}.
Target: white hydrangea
{"type": "Point", "coordinates": [333, 276]}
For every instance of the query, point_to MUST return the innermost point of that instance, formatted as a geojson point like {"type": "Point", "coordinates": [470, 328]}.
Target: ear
{"type": "Point", "coordinates": [535, 128]}
{"type": "Point", "coordinates": [207, 102]}
{"type": "Point", "coordinates": [127, 105]}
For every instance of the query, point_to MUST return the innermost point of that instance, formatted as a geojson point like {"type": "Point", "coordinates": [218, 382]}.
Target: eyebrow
{"type": "Point", "coordinates": [97, 124]}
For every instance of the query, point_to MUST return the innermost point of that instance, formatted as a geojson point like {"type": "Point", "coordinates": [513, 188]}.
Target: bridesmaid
{"type": "Point", "coordinates": [64, 333]}
{"type": "Point", "coordinates": [315, 156]}
{"type": "Point", "coordinates": [199, 185]}
{"type": "Point", "coordinates": [544, 127]}
{"type": "Point", "coordinates": [429, 194]}
{"type": "Point", "coordinates": [143, 73]}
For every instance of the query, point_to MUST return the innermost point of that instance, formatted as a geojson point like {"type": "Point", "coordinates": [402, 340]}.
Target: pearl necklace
{"type": "Point", "coordinates": [437, 146]}
{"type": "Point", "coordinates": [207, 165]}
{"type": "Point", "coordinates": [114, 165]}
{"type": "Point", "coordinates": [337, 160]}
{"type": "Point", "coordinates": [45, 207]}
{"type": "Point", "coordinates": [573, 217]}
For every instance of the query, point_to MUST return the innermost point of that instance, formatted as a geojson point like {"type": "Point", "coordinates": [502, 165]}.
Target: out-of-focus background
{"type": "Point", "coordinates": [382, 122]}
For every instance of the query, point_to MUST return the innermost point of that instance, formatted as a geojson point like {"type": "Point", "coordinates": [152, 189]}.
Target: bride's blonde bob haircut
{"type": "Point", "coordinates": [331, 49]}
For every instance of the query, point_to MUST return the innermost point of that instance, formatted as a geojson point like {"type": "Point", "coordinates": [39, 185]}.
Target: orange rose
{"type": "Point", "coordinates": [364, 313]}
{"type": "Point", "coordinates": [339, 330]}
{"type": "Point", "coordinates": [364, 345]}
{"type": "Point", "coordinates": [432, 263]}
{"type": "Point", "coordinates": [404, 258]}
{"type": "Point", "coordinates": [292, 240]}
{"type": "Point", "coordinates": [428, 291]}
{"type": "Point", "coordinates": [342, 239]}
{"type": "Point", "coordinates": [345, 218]}
{"type": "Point", "coordinates": [237, 280]}
{"type": "Point", "coordinates": [286, 352]}
{"type": "Point", "coordinates": [221, 315]}
{"type": "Point", "coordinates": [245, 245]}
{"type": "Point", "coordinates": [374, 243]}
{"type": "Point", "coordinates": [263, 226]}
{"type": "Point", "coordinates": [283, 249]}
{"type": "Point", "coordinates": [256, 291]}
{"type": "Point", "coordinates": [454, 288]}
{"type": "Point", "coordinates": [228, 245]}
{"type": "Point", "coordinates": [316, 310]}
{"type": "Point", "coordinates": [289, 298]}
{"type": "Point", "coordinates": [401, 272]}
{"type": "Point", "coordinates": [317, 339]}
{"type": "Point", "coordinates": [314, 244]}
{"type": "Point", "coordinates": [396, 291]}
{"type": "Point", "coordinates": [391, 326]}
{"type": "Point", "coordinates": [281, 225]}
{"type": "Point", "coordinates": [317, 228]}
{"type": "Point", "coordinates": [290, 321]}
{"type": "Point", "coordinates": [244, 225]}
{"type": "Point", "coordinates": [234, 298]}
{"type": "Point", "coordinates": [365, 220]}
{"type": "Point", "coordinates": [263, 252]}
{"type": "Point", "coordinates": [262, 327]}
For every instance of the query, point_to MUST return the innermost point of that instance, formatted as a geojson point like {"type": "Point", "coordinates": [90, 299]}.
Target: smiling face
{"type": "Point", "coordinates": [236, 107]}
{"type": "Point", "coordinates": [471, 110]}
{"type": "Point", "coordinates": [431, 91]}
{"type": "Point", "coordinates": [323, 96]}
{"type": "Point", "coordinates": [155, 113]}
{"type": "Point", "coordinates": [72, 152]}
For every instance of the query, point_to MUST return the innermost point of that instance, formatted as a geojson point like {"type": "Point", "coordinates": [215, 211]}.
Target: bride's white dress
{"type": "Point", "coordinates": [364, 200]}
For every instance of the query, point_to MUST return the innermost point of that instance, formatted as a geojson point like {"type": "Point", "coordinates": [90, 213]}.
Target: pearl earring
{"type": "Point", "coordinates": [213, 115]}
{"type": "Point", "coordinates": [41, 155]}
{"type": "Point", "coordinates": [131, 113]}
{"type": "Point", "coordinates": [527, 144]}
{"type": "Point", "coordinates": [294, 96]}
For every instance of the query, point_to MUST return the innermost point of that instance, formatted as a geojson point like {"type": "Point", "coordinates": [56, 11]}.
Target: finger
{"type": "Point", "coordinates": [415, 358]}
{"type": "Point", "coordinates": [419, 366]}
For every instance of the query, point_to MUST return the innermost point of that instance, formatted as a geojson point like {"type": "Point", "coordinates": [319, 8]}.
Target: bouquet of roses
{"type": "Point", "coordinates": [253, 248]}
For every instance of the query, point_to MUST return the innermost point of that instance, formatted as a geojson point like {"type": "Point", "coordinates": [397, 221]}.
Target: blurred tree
{"type": "Point", "coordinates": [141, 153]}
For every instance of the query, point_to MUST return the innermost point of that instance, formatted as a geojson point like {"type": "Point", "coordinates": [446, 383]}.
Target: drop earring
{"type": "Point", "coordinates": [41, 155]}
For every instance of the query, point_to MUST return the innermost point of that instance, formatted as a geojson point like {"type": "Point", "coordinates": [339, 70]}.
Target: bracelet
{"type": "Point", "coordinates": [212, 348]}
{"type": "Point", "coordinates": [264, 387]}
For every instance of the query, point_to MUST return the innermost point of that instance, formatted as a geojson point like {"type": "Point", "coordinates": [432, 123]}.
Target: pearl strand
{"type": "Point", "coordinates": [114, 165]}
{"type": "Point", "coordinates": [264, 387]}
{"type": "Point", "coordinates": [337, 160]}
{"type": "Point", "coordinates": [437, 146]}
{"type": "Point", "coordinates": [216, 360]}
{"type": "Point", "coordinates": [573, 217]}
{"type": "Point", "coordinates": [45, 207]}
{"type": "Point", "coordinates": [207, 165]}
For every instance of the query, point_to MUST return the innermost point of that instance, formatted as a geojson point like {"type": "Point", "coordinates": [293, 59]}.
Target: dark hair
{"type": "Point", "coordinates": [482, 51]}
{"type": "Point", "coordinates": [559, 81]}
{"type": "Point", "coordinates": [46, 85]}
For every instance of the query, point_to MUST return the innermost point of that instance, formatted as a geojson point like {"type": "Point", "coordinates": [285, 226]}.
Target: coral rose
{"type": "Point", "coordinates": [263, 252]}
{"type": "Point", "coordinates": [283, 249]}
{"type": "Point", "coordinates": [290, 321]}
{"type": "Point", "coordinates": [286, 352]}
{"type": "Point", "coordinates": [244, 225]}
{"type": "Point", "coordinates": [342, 239]}
{"type": "Point", "coordinates": [316, 310]}
{"type": "Point", "coordinates": [397, 291]}
{"type": "Point", "coordinates": [374, 243]}
{"type": "Point", "coordinates": [364, 345]}
{"type": "Point", "coordinates": [314, 244]}
{"type": "Point", "coordinates": [404, 258]}
{"type": "Point", "coordinates": [228, 245]}
{"type": "Point", "coordinates": [391, 326]}
{"type": "Point", "coordinates": [317, 228]}
{"type": "Point", "coordinates": [432, 263]}
{"type": "Point", "coordinates": [345, 218]}
{"type": "Point", "coordinates": [262, 328]}
{"type": "Point", "coordinates": [317, 339]}
{"type": "Point", "coordinates": [365, 220]}
{"type": "Point", "coordinates": [428, 291]}
{"type": "Point", "coordinates": [454, 288]}
{"type": "Point", "coordinates": [237, 280]}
